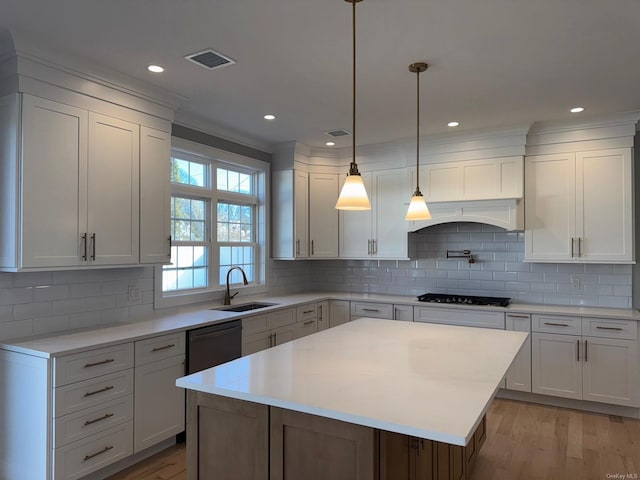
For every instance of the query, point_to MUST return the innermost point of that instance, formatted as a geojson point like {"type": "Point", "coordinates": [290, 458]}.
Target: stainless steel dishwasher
{"type": "Point", "coordinates": [213, 345]}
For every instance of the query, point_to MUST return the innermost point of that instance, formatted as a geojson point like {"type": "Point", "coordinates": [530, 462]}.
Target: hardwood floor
{"type": "Point", "coordinates": [524, 442]}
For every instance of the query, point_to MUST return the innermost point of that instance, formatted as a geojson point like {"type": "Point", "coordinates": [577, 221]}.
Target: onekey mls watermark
{"type": "Point", "coordinates": [621, 476]}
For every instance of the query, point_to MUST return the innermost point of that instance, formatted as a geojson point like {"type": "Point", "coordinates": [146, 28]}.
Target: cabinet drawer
{"type": "Point", "coordinates": [306, 327]}
{"type": "Point", "coordinates": [281, 318]}
{"type": "Point", "coordinates": [307, 312]}
{"type": "Point", "coordinates": [93, 453]}
{"type": "Point", "coordinates": [157, 348]}
{"type": "Point", "coordinates": [73, 427]}
{"type": "Point", "coordinates": [254, 325]}
{"type": "Point", "coordinates": [84, 365]}
{"type": "Point", "coordinates": [71, 398]}
{"type": "Point", "coordinates": [556, 324]}
{"type": "Point", "coordinates": [375, 310]}
{"type": "Point", "coordinates": [459, 316]}
{"type": "Point", "coordinates": [610, 328]}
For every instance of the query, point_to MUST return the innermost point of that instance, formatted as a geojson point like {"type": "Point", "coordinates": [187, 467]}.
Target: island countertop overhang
{"type": "Point", "coordinates": [425, 380]}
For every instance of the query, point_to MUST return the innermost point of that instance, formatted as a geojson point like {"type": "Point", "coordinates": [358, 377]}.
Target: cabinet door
{"type": "Point", "coordinates": [556, 365]}
{"type": "Point", "coordinates": [550, 217]}
{"type": "Point", "coordinates": [113, 190]}
{"type": "Point", "coordinates": [54, 172]}
{"type": "Point", "coordinates": [256, 342]}
{"type": "Point", "coordinates": [323, 216]}
{"type": "Point", "coordinates": [604, 205]}
{"type": "Point", "coordinates": [338, 312]}
{"type": "Point", "coordinates": [392, 195]}
{"type": "Point", "coordinates": [519, 374]}
{"type": "Point", "coordinates": [323, 315]}
{"type": "Point", "coordinates": [355, 229]}
{"type": "Point", "coordinates": [155, 196]}
{"type": "Point", "coordinates": [283, 334]}
{"type": "Point", "coordinates": [610, 371]}
{"type": "Point", "coordinates": [403, 312]}
{"type": "Point", "coordinates": [301, 215]}
{"type": "Point", "coordinates": [158, 403]}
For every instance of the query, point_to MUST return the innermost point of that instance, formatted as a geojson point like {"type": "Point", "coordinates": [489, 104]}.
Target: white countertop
{"type": "Point", "coordinates": [430, 381]}
{"type": "Point", "coordinates": [65, 343]}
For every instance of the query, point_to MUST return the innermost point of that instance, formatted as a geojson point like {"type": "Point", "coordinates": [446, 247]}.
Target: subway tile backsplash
{"type": "Point", "coordinates": [49, 302]}
{"type": "Point", "coordinates": [498, 271]}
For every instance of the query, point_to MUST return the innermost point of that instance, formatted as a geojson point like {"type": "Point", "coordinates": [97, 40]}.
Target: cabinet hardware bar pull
{"type": "Point", "coordinates": [274, 339]}
{"type": "Point", "coordinates": [579, 246]}
{"type": "Point", "coordinates": [556, 324]}
{"type": "Point", "coordinates": [95, 364]}
{"type": "Point", "coordinates": [375, 247]}
{"type": "Point", "coordinates": [319, 312]}
{"type": "Point", "coordinates": [308, 311]}
{"type": "Point", "coordinates": [312, 250]}
{"type": "Point", "coordinates": [93, 246]}
{"type": "Point", "coordinates": [104, 450]}
{"type": "Point", "coordinates": [297, 247]}
{"type": "Point", "coordinates": [618, 329]}
{"type": "Point", "coordinates": [95, 392]}
{"type": "Point", "coordinates": [157, 349]}
{"type": "Point", "coordinates": [95, 420]}
{"type": "Point", "coordinates": [309, 322]}
{"type": "Point", "coordinates": [578, 350]}
{"type": "Point", "coordinates": [369, 247]}
{"type": "Point", "coordinates": [84, 240]}
{"type": "Point", "coordinates": [513, 315]}
{"type": "Point", "coordinates": [169, 255]}
{"type": "Point", "coordinates": [370, 310]}
{"type": "Point", "coordinates": [586, 350]}
{"type": "Point", "coordinates": [572, 239]}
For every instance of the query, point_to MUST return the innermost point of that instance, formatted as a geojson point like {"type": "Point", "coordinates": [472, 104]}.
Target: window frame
{"type": "Point", "coordinates": [220, 158]}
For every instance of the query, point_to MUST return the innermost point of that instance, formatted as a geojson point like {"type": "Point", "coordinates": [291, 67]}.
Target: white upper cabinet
{"type": "Point", "coordinates": [290, 214]}
{"type": "Point", "coordinates": [382, 231]}
{"type": "Point", "coordinates": [578, 207]}
{"type": "Point", "coordinates": [155, 196]}
{"type": "Point", "coordinates": [323, 216]}
{"type": "Point", "coordinates": [71, 193]}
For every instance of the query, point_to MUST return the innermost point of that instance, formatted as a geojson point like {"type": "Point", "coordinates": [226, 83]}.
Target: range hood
{"type": "Point", "coordinates": [483, 191]}
{"type": "Point", "coordinates": [503, 213]}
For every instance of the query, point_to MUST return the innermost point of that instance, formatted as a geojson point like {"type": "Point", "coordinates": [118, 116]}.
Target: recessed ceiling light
{"type": "Point", "coordinates": [155, 68]}
{"type": "Point", "coordinates": [269, 117]}
{"type": "Point", "coordinates": [453, 124]}
{"type": "Point", "coordinates": [330, 144]}
{"type": "Point", "coordinates": [577, 110]}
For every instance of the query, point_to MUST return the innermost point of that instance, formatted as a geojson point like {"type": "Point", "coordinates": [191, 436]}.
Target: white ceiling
{"type": "Point", "coordinates": [493, 63]}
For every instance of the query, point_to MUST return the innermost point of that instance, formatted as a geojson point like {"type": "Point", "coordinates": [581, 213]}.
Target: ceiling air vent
{"type": "Point", "coordinates": [338, 133]}
{"type": "Point", "coordinates": [210, 59]}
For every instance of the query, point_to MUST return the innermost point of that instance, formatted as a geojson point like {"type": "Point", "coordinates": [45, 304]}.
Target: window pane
{"type": "Point", "coordinates": [235, 223]}
{"type": "Point", "coordinates": [245, 184]}
{"type": "Point", "coordinates": [200, 278]}
{"type": "Point", "coordinates": [188, 172]}
{"type": "Point", "coordinates": [234, 181]}
{"type": "Point", "coordinates": [199, 257]}
{"type": "Point", "coordinates": [225, 255]}
{"type": "Point", "coordinates": [221, 174]}
{"type": "Point", "coordinates": [197, 231]}
{"type": "Point", "coordinates": [188, 270]}
{"type": "Point", "coordinates": [240, 256]}
{"type": "Point", "coordinates": [185, 279]}
{"type": "Point", "coordinates": [182, 230]}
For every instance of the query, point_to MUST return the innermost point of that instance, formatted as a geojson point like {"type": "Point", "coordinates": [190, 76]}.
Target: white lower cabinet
{"type": "Point", "coordinates": [323, 315]}
{"type": "Point", "coordinates": [159, 404]}
{"type": "Point", "coordinates": [460, 316]}
{"type": "Point", "coordinates": [382, 310]}
{"type": "Point", "coordinates": [266, 331]}
{"type": "Point", "coordinates": [600, 369]}
{"type": "Point", "coordinates": [338, 312]}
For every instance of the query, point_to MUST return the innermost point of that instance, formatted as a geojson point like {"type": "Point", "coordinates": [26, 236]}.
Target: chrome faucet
{"type": "Point", "coordinates": [227, 295]}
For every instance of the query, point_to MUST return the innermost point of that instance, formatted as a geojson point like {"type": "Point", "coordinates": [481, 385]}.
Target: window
{"type": "Point", "coordinates": [217, 221]}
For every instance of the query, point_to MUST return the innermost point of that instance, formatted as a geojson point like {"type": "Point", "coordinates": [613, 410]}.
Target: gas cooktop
{"type": "Point", "coordinates": [464, 299]}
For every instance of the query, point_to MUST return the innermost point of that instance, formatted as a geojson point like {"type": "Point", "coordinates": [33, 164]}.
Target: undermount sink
{"type": "Point", "coordinates": [244, 307]}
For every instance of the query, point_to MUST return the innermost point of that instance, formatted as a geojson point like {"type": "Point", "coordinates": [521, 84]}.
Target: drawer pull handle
{"type": "Point", "coordinates": [308, 311]}
{"type": "Point", "coordinates": [95, 392]}
{"type": "Point", "coordinates": [577, 350]}
{"type": "Point", "coordinates": [309, 322]}
{"type": "Point", "coordinates": [95, 364]}
{"type": "Point", "coordinates": [104, 450]}
{"type": "Point", "coordinates": [370, 310]}
{"type": "Point", "coordinates": [556, 324]}
{"type": "Point", "coordinates": [157, 349]}
{"type": "Point", "coordinates": [511, 315]}
{"type": "Point", "coordinates": [618, 329]}
{"type": "Point", "coordinates": [96, 420]}
{"type": "Point", "coordinates": [586, 350]}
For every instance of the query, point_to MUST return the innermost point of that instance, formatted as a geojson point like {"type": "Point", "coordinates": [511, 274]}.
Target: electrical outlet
{"type": "Point", "coordinates": [134, 293]}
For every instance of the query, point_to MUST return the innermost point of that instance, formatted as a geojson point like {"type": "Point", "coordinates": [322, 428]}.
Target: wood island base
{"type": "Point", "coordinates": [230, 439]}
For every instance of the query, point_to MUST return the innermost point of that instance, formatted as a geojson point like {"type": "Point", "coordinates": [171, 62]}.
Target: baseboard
{"type": "Point", "coordinates": [581, 405]}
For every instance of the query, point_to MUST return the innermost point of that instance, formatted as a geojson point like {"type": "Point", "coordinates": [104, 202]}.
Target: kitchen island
{"type": "Point", "coordinates": [366, 400]}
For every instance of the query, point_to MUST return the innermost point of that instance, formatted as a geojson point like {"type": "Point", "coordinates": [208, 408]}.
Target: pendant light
{"type": "Point", "coordinates": [418, 209]}
{"type": "Point", "coordinates": [353, 195]}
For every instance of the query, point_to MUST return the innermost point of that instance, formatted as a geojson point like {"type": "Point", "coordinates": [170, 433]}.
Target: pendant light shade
{"type": "Point", "coordinates": [353, 195]}
{"type": "Point", "coordinates": [418, 209]}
